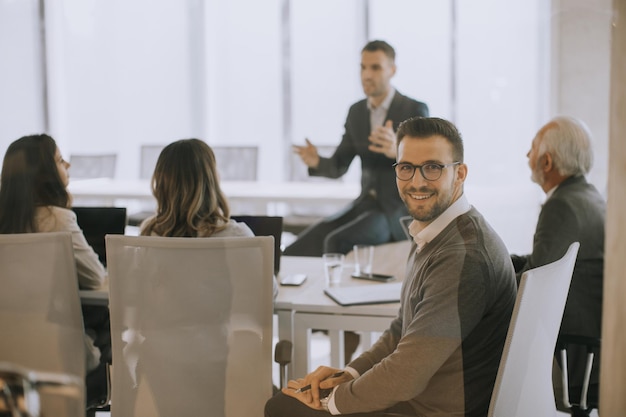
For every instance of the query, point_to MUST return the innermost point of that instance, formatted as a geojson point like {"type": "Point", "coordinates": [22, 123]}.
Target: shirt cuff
{"type": "Point", "coordinates": [330, 404]}
{"type": "Point", "coordinates": [355, 374]}
{"type": "Point", "coordinates": [332, 408]}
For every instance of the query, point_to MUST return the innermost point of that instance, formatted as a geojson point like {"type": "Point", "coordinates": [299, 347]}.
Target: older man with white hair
{"type": "Point", "coordinates": [574, 211]}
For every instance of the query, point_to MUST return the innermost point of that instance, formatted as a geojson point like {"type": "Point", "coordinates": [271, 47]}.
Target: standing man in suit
{"type": "Point", "coordinates": [574, 211]}
{"type": "Point", "coordinates": [373, 217]}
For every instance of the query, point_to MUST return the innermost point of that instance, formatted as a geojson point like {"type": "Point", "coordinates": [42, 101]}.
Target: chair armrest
{"type": "Point", "coordinates": [282, 356]}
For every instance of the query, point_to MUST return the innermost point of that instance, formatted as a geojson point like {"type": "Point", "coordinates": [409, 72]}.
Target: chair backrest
{"type": "Point", "coordinates": [236, 163]}
{"type": "Point", "coordinates": [266, 226]}
{"type": "Point", "coordinates": [524, 382]}
{"type": "Point", "coordinates": [97, 222]}
{"type": "Point", "coordinates": [93, 166]}
{"type": "Point", "coordinates": [405, 222]}
{"type": "Point", "coordinates": [191, 325]}
{"type": "Point", "coordinates": [40, 313]}
{"type": "Point", "coordinates": [149, 154]}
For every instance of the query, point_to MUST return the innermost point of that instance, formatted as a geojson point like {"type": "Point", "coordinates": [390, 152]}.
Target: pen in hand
{"type": "Point", "coordinates": [308, 387]}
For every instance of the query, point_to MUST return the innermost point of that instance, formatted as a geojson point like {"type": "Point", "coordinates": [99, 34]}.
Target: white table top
{"type": "Point", "coordinates": [309, 297]}
{"type": "Point", "coordinates": [259, 192]}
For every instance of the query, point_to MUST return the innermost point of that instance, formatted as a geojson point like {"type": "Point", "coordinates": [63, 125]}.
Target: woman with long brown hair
{"type": "Point", "coordinates": [190, 202]}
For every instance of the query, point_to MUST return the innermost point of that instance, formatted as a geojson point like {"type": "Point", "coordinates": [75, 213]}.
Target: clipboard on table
{"type": "Point", "coordinates": [365, 294]}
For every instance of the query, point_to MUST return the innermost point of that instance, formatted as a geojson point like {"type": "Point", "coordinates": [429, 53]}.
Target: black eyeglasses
{"type": "Point", "coordinates": [430, 172]}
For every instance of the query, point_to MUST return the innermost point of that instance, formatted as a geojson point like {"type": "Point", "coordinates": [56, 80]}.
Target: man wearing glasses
{"type": "Point", "coordinates": [373, 218]}
{"type": "Point", "coordinates": [440, 355]}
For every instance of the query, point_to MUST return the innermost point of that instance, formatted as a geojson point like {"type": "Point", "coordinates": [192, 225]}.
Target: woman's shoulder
{"type": "Point", "coordinates": [144, 225]}
{"type": "Point", "coordinates": [53, 218]}
{"type": "Point", "coordinates": [54, 210]}
{"type": "Point", "coordinates": [235, 229]}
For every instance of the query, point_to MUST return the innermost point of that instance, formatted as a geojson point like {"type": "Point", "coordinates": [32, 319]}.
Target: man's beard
{"type": "Point", "coordinates": [536, 175]}
{"type": "Point", "coordinates": [441, 205]}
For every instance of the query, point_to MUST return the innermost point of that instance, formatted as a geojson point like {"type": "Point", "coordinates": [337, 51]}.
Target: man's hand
{"type": "Point", "coordinates": [383, 140]}
{"type": "Point", "coordinates": [321, 378]}
{"type": "Point", "coordinates": [308, 154]}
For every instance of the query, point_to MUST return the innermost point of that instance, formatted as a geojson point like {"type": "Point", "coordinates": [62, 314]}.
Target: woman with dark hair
{"type": "Point", "coordinates": [34, 199]}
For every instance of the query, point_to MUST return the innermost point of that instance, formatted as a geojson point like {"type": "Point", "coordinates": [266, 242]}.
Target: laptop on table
{"type": "Point", "coordinates": [97, 222]}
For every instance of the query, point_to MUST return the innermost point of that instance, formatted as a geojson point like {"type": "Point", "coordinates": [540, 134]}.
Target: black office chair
{"type": "Point", "coordinates": [579, 396]}
{"type": "Point", "coordinates": [97, 222]}
{"type": "Point", "coordinates": [23, 391]}
{"type": "Point", "coordinates": [282, 356]}
{"type": "Point", "coordinates": [265, 226]}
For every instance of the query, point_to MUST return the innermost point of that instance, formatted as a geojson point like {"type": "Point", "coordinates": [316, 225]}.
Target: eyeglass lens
{"type": "Point", "coordinates": [430, 172]}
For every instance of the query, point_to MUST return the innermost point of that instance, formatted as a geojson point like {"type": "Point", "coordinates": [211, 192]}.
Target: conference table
{"type": "Point", "coordinates": [302, 308]}
{"type": "Point", "coordinates": [263, 195]}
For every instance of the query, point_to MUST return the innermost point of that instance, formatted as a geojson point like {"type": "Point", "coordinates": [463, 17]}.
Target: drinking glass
{"type": "Point", "coordinates": [363, 258]}
{"type": "Point", "coordinates": [333, 267]}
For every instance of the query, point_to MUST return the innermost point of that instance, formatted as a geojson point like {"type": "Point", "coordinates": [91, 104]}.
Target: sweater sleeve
{"type": "Point", "coordinates": [422, 348]}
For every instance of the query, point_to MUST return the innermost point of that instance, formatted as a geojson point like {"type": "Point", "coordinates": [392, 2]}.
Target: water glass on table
{"type": "Point", "coordinates": [363, 259]}
{"type": "Point", "coordinates": [333, 267]}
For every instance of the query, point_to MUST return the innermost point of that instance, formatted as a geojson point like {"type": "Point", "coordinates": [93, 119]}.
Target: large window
{"type": "Point", "coordinates": [109, 76]}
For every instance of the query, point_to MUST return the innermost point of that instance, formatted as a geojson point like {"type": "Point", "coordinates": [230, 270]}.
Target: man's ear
{"type": "Point", "coordinates": [461, 172]}
{"type": "Point", "coordinates": [547, 163]}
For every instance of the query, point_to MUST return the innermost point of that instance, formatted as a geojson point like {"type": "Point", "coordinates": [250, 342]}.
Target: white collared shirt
{"type": "Point", "coordinates": [378, 114]}
{"type": "Point", "coordinates": [421, 238]}
{"type": "Point", "coordinates": [551, 191]}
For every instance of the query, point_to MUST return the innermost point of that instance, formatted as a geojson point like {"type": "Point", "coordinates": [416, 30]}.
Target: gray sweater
{"type": "Point", "coordinates": [442, 351]}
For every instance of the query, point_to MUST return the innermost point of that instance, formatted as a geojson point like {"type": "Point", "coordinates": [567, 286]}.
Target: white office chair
{"type": "Point", "coordinates": [93, 166]}
{"type": "Point", "coordinates": [191, 325]}
{"type": "Point", "coordinates": [234, 163]}
{"type": "Point", "coordinates": [524, 382]}
{"type": "Point", "coordinates": [40, 315]}
{"type": "Point", "coordinates": [237, 163]}
{"type": "Point", "coordinates": [148, 156]}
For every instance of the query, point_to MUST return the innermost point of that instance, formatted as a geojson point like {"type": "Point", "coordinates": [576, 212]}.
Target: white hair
{"type": "Point", "coordinates": [568, 140]}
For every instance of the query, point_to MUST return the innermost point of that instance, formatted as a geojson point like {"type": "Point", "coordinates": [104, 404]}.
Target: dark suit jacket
{"type": "Point", "coordinates": [574, 213]}
{"type": "Point", "coordinates": [377, 173]}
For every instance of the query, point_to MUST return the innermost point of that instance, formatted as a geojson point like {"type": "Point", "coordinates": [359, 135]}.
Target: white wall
{"type": "Point", "coordinates": [21, 74]}
{"type": "Point", "coordinates": [581, 71]}
{"type": "Point", "coordinates": [124, 76]}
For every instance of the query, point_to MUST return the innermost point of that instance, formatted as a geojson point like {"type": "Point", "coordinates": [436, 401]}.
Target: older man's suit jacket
{"type": "Point", "coordinates": [574, 213]}
{"type": "Point", "coordinates": [378, 177]}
